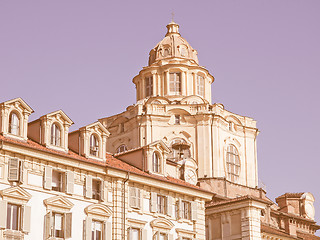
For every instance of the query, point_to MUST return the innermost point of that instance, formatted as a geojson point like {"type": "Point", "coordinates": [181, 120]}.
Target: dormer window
{"type": "Point", "coordinates": [55, 135]}
{"type": "Point", "coordinates": [175, 83]}
{"type": "Point", "coordinates": [14, 124]}
{"type": "Point", "coordinates": [94, 145]}
{"type": "Point", "coordinates": [155, 162]}
{"type": "Point", "coordinates": [149, 86]}
{"type": "Point", "coordinates": [200, 85]}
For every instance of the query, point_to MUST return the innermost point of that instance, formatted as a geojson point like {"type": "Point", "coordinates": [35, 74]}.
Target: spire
{"type": "Point", "coordinates": [173, 28]}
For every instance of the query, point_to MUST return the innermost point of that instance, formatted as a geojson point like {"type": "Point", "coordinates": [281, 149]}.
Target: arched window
{"type": "Point", "coordinates": [155, 162]}
{"type": "Point", "coordinates": [200, 85]}
{"type": "Point", "coordinates": [233, 163]}
{"type": "Point", "coordinates": [175, 83]}
{"type": "Point", "coordinates": [122, 148]}
{"type": "Point", "coordinates": [14, 124]}
{"type": "Point", "coordinates": [94, 145]}
{"type": "Point", "coordinates": [55, 135]}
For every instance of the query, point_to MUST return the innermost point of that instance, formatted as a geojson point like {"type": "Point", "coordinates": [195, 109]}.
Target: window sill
{"type": "Point", "coordinates": [8, 233]}
{"type": "Point", "coordinates": [182, 220]}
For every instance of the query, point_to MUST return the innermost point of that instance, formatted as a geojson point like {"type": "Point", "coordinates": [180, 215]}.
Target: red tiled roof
{"type": "Point", "coordinates": [110, 161]}
{"type": "Point", "coordinates": [275, 231]}
{"type": "Point", "coordinates": [238, 199]}
{"type": "Point", "coordinates": [292, 195]}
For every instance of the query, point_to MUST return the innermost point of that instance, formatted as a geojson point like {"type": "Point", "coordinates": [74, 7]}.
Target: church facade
{"type": "Point", "coordinates": [172, 166]}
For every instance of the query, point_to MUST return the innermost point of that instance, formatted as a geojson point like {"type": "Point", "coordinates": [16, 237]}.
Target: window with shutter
{"type": "Point", "coordinates": [88, 187]}
{"type": "Point", "coordinates": [15, 170]}
{"type": "Point", "coordinates": [57, 182]}
{"type": "Point", "coordinates": [70, 182]}
{"type": "Point", "coordinates": [135, 198]}
{"type": "Point", "coordinates": [97, 189]}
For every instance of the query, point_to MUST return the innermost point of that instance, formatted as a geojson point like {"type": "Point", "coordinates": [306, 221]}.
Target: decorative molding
{"type": "Point", "coordinates": [99, 211]}
{"type": "Point", "coordinates": [59, 203]}
{"type": "Point", "coordinates": [162, 223]}
{"type": "Point", "coordinates": [16, 195]}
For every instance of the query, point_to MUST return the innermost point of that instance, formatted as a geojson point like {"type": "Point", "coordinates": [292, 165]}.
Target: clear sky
{"type": "Point", "coordinates": [80, 56]}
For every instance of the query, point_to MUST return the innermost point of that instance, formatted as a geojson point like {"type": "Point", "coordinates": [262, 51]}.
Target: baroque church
{"type": "Point", "coordinates": [173, 166]}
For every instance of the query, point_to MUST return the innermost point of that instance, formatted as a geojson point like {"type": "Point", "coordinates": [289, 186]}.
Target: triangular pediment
{"type": "Point", "coordinates": [160, 145]}
{"type": "Point", "coordinates": [98, 210]}
{"type": "Point", "coordinates": [16, 193]}
{"type": "Point", "coordinates": [96, 127]}
{"type": "Point", "coordinates": [58, 202]}
{"type": "Point", "coordinates": [19, 103]}
{"type": "Point", "coordinates": [59, 115]}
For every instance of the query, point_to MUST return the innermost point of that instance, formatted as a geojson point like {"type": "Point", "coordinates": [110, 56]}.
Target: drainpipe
{"type": "Point", "coordinates": [124, 207]}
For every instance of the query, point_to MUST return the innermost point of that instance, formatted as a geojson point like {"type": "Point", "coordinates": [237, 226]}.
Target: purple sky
{"type": "Point", "coordinates": [80, 56]}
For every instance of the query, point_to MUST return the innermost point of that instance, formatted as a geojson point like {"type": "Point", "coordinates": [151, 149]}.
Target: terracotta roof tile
{"type": "Point", "coordinates": [110, 161]}
{"type": "Point", "coordinates": [275, 231]}
{"type": "Point", "coordinates": [238, 199]}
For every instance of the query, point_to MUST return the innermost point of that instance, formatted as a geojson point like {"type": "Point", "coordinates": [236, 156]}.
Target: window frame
{"type": "Point", "coordinates": [94, 145]}
{"type": "Point", "coordinates": [122, 148]}
{"type": "Point", "coordinates": [14, 126]}
{"type": "Point", "coordinates": [11, 216]}
{"type": "Point", "coordinates": [61, 181]}
{"type": "Point", "coordinates": [200, 85]}
{"type": "Point", "coordinates": [175, 83]}
{"type": "Point", "coordinates": [162, 204]}
{"type": "Point", "coordinates": [55, 138]}
{"type": "Point", "coordinates": [233, 163]}
{"type": "Point", "coordinates": [148, 86]}
{"type": "Point", "coordinates": [156, 162]}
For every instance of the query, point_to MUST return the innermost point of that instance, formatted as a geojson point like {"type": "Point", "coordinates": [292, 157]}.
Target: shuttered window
{"type": "Point", "coordinates": [97, 229]}
{"type": "Point", "coordinates": [135, 197]}
{"type": "Point", "coordinates": [162, 236]}
{"type": "Point", "coordinates": [57, 181]}
{"type": "Point", "coordinates": [58, 225]}
{"type": "Point", "coordinates": [15, 217]}
{"type": "Point", "coordinates": [15, 170]}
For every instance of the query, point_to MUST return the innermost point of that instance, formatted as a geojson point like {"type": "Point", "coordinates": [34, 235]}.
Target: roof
{"type": "Point", "coordinates": [291, 195]}
{"type": "Point", "coordinates": [111, 162]}
{"type": "Point", "coordinates": [307, 236]}
{"type": "Point", "coordinates": [275, 231]}
{"type": "Point", "coordinates": [238, 199]}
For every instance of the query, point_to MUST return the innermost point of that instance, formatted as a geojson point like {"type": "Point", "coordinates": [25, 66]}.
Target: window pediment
{"type": "Point", "coordinates": [16, 194]}
{"type": "Point", "coordinates": [97, 128]}
{"type": "Point", "coordinates": [98, 211]}
{"type": "Point", "coordinates": [162, 223]}
{"type": "Point", "coordinates": [59, 203]}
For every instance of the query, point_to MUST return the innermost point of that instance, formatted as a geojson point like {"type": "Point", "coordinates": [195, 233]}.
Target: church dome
{"type": "Point", "coordinates": [173, 46]}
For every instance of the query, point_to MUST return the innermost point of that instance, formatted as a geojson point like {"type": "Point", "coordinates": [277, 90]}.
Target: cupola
{"type": "Point", "coordinates": [173, 71]}
{"type": "Point", "coordinates": [173, 46]}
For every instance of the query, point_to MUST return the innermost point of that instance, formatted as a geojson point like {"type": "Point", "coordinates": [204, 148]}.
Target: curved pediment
{"type": "Point", "coordinates": [157, 100]}
{"type": "Point", "coordinates": [194, 99]}
{"type": "Point", "coordinates": [233, 119]}
{"type": "Point", "coordinates": [99, 210]}
{"type": "Point", "coordinates": [162, 223]}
